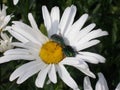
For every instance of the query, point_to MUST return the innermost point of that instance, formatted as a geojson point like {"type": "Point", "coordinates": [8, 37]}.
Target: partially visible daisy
{"type": "Point", "coordinates": [5, 42]}
{"type": "Point", "coordinates": [15, 2]}
{"type": "Point", "coordinates": [49, 55]}
{"type": "Point", "coordinates": [4, 19]}
{"type": "Point", "coordinates": [118, 87]}
{"type": "Point", "coordinates": [100, 85]}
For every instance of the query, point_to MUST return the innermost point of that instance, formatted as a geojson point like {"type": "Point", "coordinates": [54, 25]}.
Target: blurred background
{"type": "Point", "coordinates": [106, 15]}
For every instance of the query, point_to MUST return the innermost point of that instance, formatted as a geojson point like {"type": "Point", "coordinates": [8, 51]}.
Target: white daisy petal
{"type": "Point", "coordinates": [17, 52]}
{"type": "Point", "coordinates": [15, 2]}
{"type": "Point", "coordinates": [6, 20]}
{"type": "Point", "coordinates": [101, 84]}
{"type": "Point", "coordinates": [93, 34]}
{"type": "Point", "coordinates": [70, 61]}
{"type": "Point", "coordinates": [47, 18]}
{"type": "Point", "coordinates": [98, 57]}
{"type": "Point", "coordinates": [8, 58]}
{"type": "Point", "coordinates": [67, 19]}
{"type": "Point", "coordinates": [64, 19]}
{"type": "Point", "coordinates": [19, 71]}
{"type": "Point", "coordinates": [83, 67]}
{"type": "Point", "coordinates": [31, 46]}
{"type": "Point", "coordinates": [87, 83]}
{"type": "Point", "coordinates": [55, 17]}
{"type": "Point", "coordinates": [42, 76]}
{"type": "Point", "coordinates": [79, 33]}
{"type": "Point", "coordinates": [86, 45]}
{"type": "Point", "coordinates": [3, 11]}
{"type": "Point", "coordinates": [18, 36]}
{"type": "Point", "coordinates": [83, 32]}
{"type": "Point", "coordinates": [5, 42]}
{"type": "Point", "coordinates": [88, 59]}
{"type": "Point", "coordinates": [4, 36]}
{"type": "Point", "coordinates": [32, 22]}
{"type": "Point", "coordinates": [36, 30]}
{"type": "Point", "coordinates": [65, 76]}
{"type": "Point", "coordinates": [22, 69]}
{"type": "Point", "coordinates": [78, 25]}
{"type": "Point", "coordinates": [70, 20]}
{"type": "Point", "coordinates": [87, 72]}
{"type": "Point", "coordinates": [52, 74]}
{"type": "Point", "coordinates": [25, 34]}
{"type": "Point", "coordinates": [35, 68]}
{"type": "Point", "coordinates": [24, 27]}
{"type": "Point", "coordinates": [118, 87]}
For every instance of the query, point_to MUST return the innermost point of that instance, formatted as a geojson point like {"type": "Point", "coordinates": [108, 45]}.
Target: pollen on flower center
{"type": "Point", "coordinates": [51, 52]}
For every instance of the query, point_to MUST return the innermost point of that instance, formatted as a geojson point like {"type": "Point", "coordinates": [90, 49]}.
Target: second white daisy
{"type": "Point", "coordinates": [100, 85]}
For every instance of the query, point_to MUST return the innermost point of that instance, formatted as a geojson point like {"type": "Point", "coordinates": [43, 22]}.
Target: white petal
{"type": "Point", "coordinates": [70, 20]}
{"type": "Point", "coordinates": [27, 70]}
{"type": "Point", "coordinates": [70, 61]}
{"type": "Point", "coordinates": [4, 36]}
{"type": "Point", "coordinates": [30, 49]}
{"type": "Point", "coordinates": [52, 74]}
{"type": "Point", "coordinates": [101, 84]}
{"type": "Point", "coordinates": [73, 40]}
{"type": "Point", "coordinates": [78, 25]}
{"type": "Point", "coordinates": [87, 83]}
{"type": "Point", "coordinates": [6, 20]}
{"type": "Point", "coordinates": [17, 52]}
{"type": "Point", "coordinates": [29, 35]}
{"type": "Point", "coordinates": [18, 36]}
{"type": "Point", "coordinates": [15, 57]}
{"type": "Point", "coordinates": [96, 56]}
{"type": "Point", "coordinates": [85, 31]}
{"type": "Point", "coordinates": [83, 67]}
{"type": "Point", "coordinates": [31, 46]}
{"type": "Point", "coordinates": [88, 59]}
{"type": "Point", "coordinates": [47, 18]}
{"type": "Point", "coordinates": [32, 22]}
{"type": "Point", "coordinates": [35, 68]}
{"type": "Point", "coordinates": [3, 11]}
{"type": "Point", "coordinates": [118, 87]}
{"type": "Point", "coordinates": [67, 18]}
{"type": "Point", "coordinates": [65, 76]}
{"type": "Point", "coordinates": [92, 35]}
{"type": "Point", "coordinates": [15, 2]}
{"type": "Point", "coordinates": [19, 71]}
{"type": "Point", "coordinates": [55, 16]}
{"type": "Point", "coordinates": [86, 45]}
{"type": "Point", "coordinates": [42, 76]}
{"type": "Point", "coordinates": [28, 32]}
{"type": "Point", "coordinates": [87, 72]}
{"type": "Point", "coordinates": [35, 27]}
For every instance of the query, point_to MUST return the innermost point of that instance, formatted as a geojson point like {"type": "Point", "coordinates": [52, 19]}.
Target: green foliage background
{"type": "Point", "coordinates": [106, 15]}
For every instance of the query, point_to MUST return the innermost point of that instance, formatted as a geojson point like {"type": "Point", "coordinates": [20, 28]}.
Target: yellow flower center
{"type": "Point", "coordinates": [51, 52]}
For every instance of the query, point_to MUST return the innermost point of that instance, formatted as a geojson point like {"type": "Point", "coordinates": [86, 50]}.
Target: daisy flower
{"type": "Point", "coordinates": [5, 42]}
{"type": "Point", "coordinates": [100, 85]}
{"type": "Point", "coordinates": [49, 55]}
{"type": "Point", "coordinates": [4, 19]}
{"type": "Point", "coordinates": [15, 2]}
